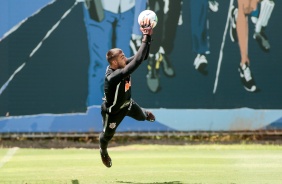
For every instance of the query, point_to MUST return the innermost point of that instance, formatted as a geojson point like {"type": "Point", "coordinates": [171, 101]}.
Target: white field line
{"type": "Point", "coordinates": [222, 47]}
{"type": "Point", "coordinates": [8, 156]}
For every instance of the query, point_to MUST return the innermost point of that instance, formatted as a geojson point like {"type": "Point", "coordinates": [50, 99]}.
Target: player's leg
{"type": "Point", "coordinates": [242, 31]}
{"type": "Point", "coordinates": [110, 124]}
{"type": "Point", "coordinates": [199, 11]}
{"type": "Point", "coordinates": [104, 139]}
{"type": "Point", "coordinates": [266, 9]}
{"type": "Point", "coordinates": [244, 8]}
{"type": "Point", "coordinates": [140, 114]}
{"type": "Point", "coordinates": [171, 18]}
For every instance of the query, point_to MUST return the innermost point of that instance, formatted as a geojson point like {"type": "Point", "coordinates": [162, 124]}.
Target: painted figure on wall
{"type": "Point", "coordinates": [260, 14]}
{"type": "Point", "coordinates": [199, 12]}
{"type": "Point", "coordinates": [168, 13]}
{"type": "Point", "coordinates": [111, 27]}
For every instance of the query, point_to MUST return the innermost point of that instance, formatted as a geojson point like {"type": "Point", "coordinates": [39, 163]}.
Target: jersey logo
{"type": "Point", "coordinates": [113, 125]}
{"type": "Point", "coordinates": [127, 85]}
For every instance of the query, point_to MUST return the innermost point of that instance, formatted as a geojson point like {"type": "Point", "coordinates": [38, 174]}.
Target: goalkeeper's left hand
{"type": "Point", "coordinates": [145, 27]}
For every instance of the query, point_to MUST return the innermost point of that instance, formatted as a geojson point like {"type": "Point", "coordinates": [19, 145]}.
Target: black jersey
{"type": "Point", "coordinates": [117, 89]}
{"type": "Point", "coordinates": [117, 84]}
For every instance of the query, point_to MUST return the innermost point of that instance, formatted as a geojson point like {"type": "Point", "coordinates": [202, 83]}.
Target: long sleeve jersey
{"type": "Point", "coordinates": [117, 84]}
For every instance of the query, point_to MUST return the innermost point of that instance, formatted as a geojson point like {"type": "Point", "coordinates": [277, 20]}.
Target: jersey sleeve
{"type": "Point", "coordinates": [132, 63]}
{"type": "Point", "coordinates": [140, 56]}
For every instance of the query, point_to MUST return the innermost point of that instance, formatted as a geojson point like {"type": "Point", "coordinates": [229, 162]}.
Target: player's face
{"type": "Point", "coordinates": [121, 60]}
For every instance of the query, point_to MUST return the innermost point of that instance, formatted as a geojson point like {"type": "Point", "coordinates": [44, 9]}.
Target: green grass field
{"type": "Point", "coordinates": [195, 164]}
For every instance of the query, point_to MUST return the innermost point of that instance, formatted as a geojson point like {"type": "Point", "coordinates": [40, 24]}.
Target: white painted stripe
{"type": "Point", "coordinates": [13, 29]}
{"type": "Point", "coordinates": [222, 47]}
{"type": "Point", "coordinates": [8, 156]}
{"type": "Point", "coordinates": [11, 78]}
{"type": "Point", "coordinates": [52, 29]}
{"type": "Point", "coordinates": [37, 47]}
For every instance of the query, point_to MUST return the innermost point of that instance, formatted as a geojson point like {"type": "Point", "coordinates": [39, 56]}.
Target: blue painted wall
{"type": "Point", "coordinates": [44, 66]}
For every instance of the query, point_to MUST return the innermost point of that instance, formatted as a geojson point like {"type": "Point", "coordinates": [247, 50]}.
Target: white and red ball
{"type": "Point", "coordinates": [148, 14]}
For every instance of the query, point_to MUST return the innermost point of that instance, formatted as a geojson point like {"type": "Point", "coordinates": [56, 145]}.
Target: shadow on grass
{"type": "Point", "coordinates": [74, 181]}
{"type": "Point", "coordinates": [169, 182]}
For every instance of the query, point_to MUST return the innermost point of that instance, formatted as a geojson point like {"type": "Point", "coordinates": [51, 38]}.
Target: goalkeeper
{"type": "Point", "coordinates": [117, 89]}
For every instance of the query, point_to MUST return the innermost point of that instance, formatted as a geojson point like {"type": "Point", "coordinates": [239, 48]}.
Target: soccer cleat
{"type": "Point", "coordinates": [233, 26]}
{"type": "Point", "coordinates": [201, 63]}
{"type": "Point", "coordinates": [150, 116]}
{"type": "Point", "coordinates": [247, 78]}
{"type": "Point", "coordinates": [106, 159]}
{"type": "Point", "coordinates": [213, 5]}
{"type": "Point", "coordinates": [153, 81]}
{"type": "Point", "coordinates": [168, 69]}
{"type": "Point", "coordinates": [262, 40]}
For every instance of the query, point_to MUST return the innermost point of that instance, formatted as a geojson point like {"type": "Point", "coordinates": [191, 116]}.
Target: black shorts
{"type": "Point", "coordinates": [112, 120]}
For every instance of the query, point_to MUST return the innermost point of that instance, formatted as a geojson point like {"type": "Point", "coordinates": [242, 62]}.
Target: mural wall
{"type": "Point", "coordinates": [211, 67]}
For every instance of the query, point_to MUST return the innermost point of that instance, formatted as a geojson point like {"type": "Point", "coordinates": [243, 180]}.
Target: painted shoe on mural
{"type": "Point", "coordinates": [213, 5]}
{"type": "Point", "coordinates": [246, 78]}
{"type": "Point", "coordinates": [262, 40]}
{"type": "Point", "coordinates": [201, 63]}
{"type": "Point", "coordinates": [166, 64]}
{"type": "Point", "coordinates": [135, 43]}
{"type": "Point", "coordinates": [153, 80]}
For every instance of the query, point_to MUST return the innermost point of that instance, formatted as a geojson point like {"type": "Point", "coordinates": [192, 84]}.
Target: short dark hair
{"type": "Point", "coordinates": [112, 53]}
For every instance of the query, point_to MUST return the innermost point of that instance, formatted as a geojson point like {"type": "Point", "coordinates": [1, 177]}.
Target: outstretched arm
{"type": "Point", "coordinates": [140, 56]}
{"type": "Point", "coordinates": [142, 52]}
{"type": "Point", "coordinates": [132, 57]}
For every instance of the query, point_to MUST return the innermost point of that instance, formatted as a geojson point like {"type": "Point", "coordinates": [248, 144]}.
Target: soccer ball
{"type": "Point", "coordinates": [148, 14]}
